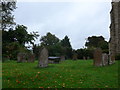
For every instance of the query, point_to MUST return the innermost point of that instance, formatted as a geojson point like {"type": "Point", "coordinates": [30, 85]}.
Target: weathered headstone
{"type": "Point", "coordinates": [98, 57]}
{"type": "Point", "coordinates": [104, 59]}
{"type": "Point", "coordinates": [21, 57]}
{"type": "Point", "coordinates": [88, 58]}
{"type": "Point", "coordinates": [31, 57]}
{"type": "Point", "coordinates": [50, 61]}
{"type": "Point", "coordinates": [84, 58]}
{"type": "Point", "coordinates": [43, 58]}
{"type": "Point", "coordinates": [112, 59]}
{"type": "Point", "coordinates": [75, 56]}
{"type": "Point", "coordinates": [62, 58]}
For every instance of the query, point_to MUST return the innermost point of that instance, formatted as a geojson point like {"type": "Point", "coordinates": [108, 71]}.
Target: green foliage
{"type": "Point", "coordinates": [67, 74]}
{"type": "Point", "coordinates": [96, 42]}
{"type": "Point", "coordinates": [7, 17]}
{"type": "Point", "coordinates": [11, 50]}
{"type": "Point", "coordinates": [55, 46]}
{"type": "Point", "coordinates": [49, 40]}
{"type": "Point", "coordinates": [52, 43]}
{"type": "Point", "coordinates": [55, 50]}
{"type": "Point", "coordinates": [66, 47]}
{"type": "Point", "coordinates": [85, 53]}
{"type": "Point", "coordinates": [36, 50]}
{"type": "Point", "coordinates": [21, 34]}
{"type": "Point", "coordinates": [65, 42]}
{"type": "Point", "coordinates": [14, 41]}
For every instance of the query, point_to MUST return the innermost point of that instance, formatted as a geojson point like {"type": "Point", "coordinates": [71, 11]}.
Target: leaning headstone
{"type": "Point", "coordinates": [62, 58]}
{"type": "Point", "coordinates": [43, 58]}
{"type": "Point", "coordinates": [105, 59]}
{"type": "Point", "coordinates": [98, 57]}
{"type": "Point", "coordinates": [21, 57]}
{"type": "Point", "coordinates": [31, 57]}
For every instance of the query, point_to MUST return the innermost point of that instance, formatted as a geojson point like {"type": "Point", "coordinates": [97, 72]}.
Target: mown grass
{"type": "Point", "coordinates": [67, 74]}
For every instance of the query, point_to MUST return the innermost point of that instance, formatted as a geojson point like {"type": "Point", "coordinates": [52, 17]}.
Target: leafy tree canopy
{"type": "Point", "coordinates": [6, 13]}
{"type": "Point", "coordinates": [49, 40]}
{"type": "Point", "coordinates": [65, 42]}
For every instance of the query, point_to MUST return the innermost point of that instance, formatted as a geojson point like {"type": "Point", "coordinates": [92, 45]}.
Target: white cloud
{"type": "Point", "coordinates": [77, 20]}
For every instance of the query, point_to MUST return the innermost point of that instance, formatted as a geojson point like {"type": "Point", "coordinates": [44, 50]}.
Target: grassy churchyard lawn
{"type": "Point", "coordinates": [67, 74]}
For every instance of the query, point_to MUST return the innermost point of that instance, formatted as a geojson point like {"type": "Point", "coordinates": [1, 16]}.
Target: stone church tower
{"type": "Point", "coordinates": [114, 43]}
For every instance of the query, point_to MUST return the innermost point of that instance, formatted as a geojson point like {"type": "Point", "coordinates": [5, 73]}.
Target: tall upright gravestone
{"type": "Point", "coordinates": [43, 58]}
{"type": "Point", "coordinates": [98, 57]}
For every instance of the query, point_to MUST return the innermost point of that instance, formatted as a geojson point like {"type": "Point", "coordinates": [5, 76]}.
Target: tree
{"type": "Point", "coordinates": [65, 42]}
{"type": "Point", "coordinates": [14, 41]}
{"type": "Point", "coordinates": [49, 40]}
{"type": "Point", "coordinates": [104, 46]}
{"type": "Point", "coordinates": [52, 43]}
{"type": "Point", "coordinates": [67, 47]}
{"type": "Point", "coordinates": [96, 42]}
{"type": "Point", "coordinates": [84, 52]}
{"type": "Point", "coordinates": [6, 13]}
{"type": "Point", "coordinates": [36, 50]}
{"type": "Point", "coordinates": [22, 36]}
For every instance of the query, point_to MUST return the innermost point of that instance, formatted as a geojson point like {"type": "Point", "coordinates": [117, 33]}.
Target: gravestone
{"type": "Point", "coordinates": [31, 57]}
{"type": "Point", "coordinates": [112, 59]}
{"type": "Point", "coordinates": [105, 59]}
{"type": "Point", "coordinates": [98, 57]}
{"type": "Point", "coordinates": [43, 58]}
{"type": "Point", "coordinates": [88, 58]}
{"type": "Point", "coordinates": [21, 57]}
{"type": "Point", "coordinates": [62, 58]}
{"type": "Point", "coordinates": [75, 56]}
{"type": "Point", "coordinates": [84, 58]}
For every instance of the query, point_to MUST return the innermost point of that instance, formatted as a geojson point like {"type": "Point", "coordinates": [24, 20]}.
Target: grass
{"type": "Point", "coordinates": [67, 74]}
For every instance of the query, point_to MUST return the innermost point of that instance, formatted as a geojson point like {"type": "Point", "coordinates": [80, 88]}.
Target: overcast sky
{"type": "Point", "coordinates": [77, 20]}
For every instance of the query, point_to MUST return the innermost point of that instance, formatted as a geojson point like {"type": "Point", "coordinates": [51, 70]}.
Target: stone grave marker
{"type": "Point", "coordinates": [62, 58]}
{"type": "Point", "coordinates": [105, 59]}
{"type": "Point", "coordinates": [21, 57]}
{"type": "Point", "coordinates": [31, 57]}
{"type": "Point", "coordinates": [75, 56]}
{"type": "Point", "coordinates": [98, 57]}
{"type": "Point", "coordinates": [88, 58]}
{"type": "Point", "coordinates": [43, 58]}
{"type": "Point", "coordinates": [84, 58]}
{"type": "Point", "coordinates": [112, 59]}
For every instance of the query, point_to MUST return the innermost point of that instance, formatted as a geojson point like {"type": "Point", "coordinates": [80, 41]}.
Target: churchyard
{"type": "Point", "coordinates": [53, 62]}
{"type": "Point", "coordinates": [66, 74]}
